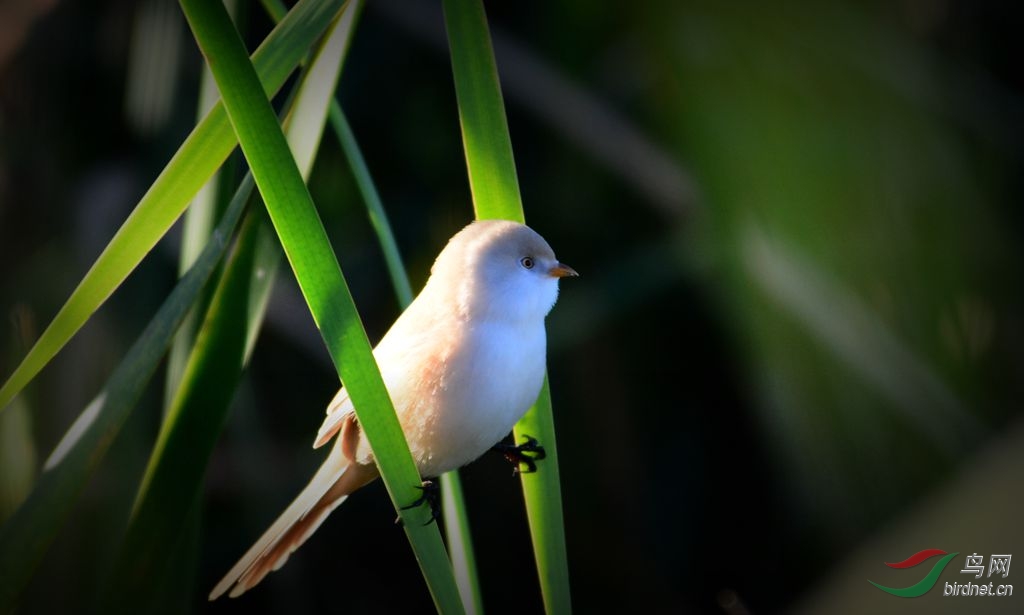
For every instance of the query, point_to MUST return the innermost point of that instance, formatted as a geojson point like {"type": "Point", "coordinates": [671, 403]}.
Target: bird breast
{"type": "Point", "coordinates": [468, 391]}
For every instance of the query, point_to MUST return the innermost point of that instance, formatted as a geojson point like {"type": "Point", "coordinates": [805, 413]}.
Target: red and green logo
{"type": "Point", "coordinates": [921, 587]}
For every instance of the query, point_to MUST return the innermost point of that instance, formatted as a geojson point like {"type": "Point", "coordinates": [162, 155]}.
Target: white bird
{"type": "Point", "coordinates": [462, 364]}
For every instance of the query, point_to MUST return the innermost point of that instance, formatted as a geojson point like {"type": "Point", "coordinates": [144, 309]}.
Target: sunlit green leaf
{"type": "Point", "coordinates": [495, 187]}
{"type": "Point", "coordinates": [194, 163]}
{"type": "Point", "coordinates": [320, 280]}
{"type": "Point", "coordinates": [195, 419]}
{"type": "Point", "coordinates": [456, 521]}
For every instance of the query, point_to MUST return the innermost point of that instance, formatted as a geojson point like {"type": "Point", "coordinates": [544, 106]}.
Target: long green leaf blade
{"type": "Point", "coordinates": [174, 591]}
{"type": "Point", "coordinates": [194, 163]}
{"type": "Point", "coordinates": [460, 542]}
{"type": "Point", "coordinates": [374, 207]}
{"type": "Point", "coordinates": [320, 279]}
{"type": "Point", "coordinates": [485, 137]}
{"type": "Point", "coordinates": [456, 519]}
{"type": "Point", "coordinates": [543, 493]}
{"type": "Point", "coordinates": [197, 224]}
{"type": "Point", "coordinates": [26, 536]}
{"type": "Point", "coordinates": [173, 478]}
{"type": "Point", "coordinates": [495, 188]}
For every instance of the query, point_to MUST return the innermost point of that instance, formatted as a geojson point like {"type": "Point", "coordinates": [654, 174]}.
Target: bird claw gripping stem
{"type": "Point", "coordinates": [431, 496]}
{"type": "Point", "coordinates": [528, 453]}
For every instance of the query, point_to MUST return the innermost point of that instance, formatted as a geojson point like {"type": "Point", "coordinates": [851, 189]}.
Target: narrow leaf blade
{"type": "Point", "coordinates": [173, 478]}
{"type": "Point", "coordinates": [26, 535]}
{"type": "Point", "coordinates": [495, 188]}
{"type": "Point", "coordinates": [194, 163]}
{"type": "Point", "coordinates": [485, 136]}
{"type": "Point", "coordinates": [456, 519]}
{"type": "Point", "coordinates": [320, 279]}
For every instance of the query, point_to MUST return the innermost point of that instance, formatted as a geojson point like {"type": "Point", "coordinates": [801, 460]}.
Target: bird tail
{"type": "Point", "coordinates": [330, 486]}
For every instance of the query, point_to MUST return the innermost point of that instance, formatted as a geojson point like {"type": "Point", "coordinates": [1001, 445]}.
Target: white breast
{"type": "Point", "coordinates": [470, 399]}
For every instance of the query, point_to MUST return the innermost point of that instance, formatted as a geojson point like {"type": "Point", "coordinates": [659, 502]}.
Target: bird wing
{"type": "Point", "coordinates": [338, 410]}
{"type": "Point", "coordinates": [393, 361]}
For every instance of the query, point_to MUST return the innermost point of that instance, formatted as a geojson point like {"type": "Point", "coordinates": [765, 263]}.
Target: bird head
{"type": "Point", "coordinates": [499, 270]}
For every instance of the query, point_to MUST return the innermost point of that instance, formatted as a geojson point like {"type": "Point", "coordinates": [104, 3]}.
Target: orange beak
{"type": "Point", "coordinates": [562, 271]}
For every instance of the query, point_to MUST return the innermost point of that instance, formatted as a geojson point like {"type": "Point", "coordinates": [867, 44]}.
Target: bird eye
{"type": "Point", "coordinates": [527, 262]}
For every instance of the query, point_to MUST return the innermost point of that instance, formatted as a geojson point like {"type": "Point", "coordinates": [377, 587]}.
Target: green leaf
{"type": "Point", "coordinates": [174, 591]}
{"type": "Point", "coordinates": [194, 163]}
{"type": "Point", "coordinates": [173, 477]}
{"type": "Point", "coordinates": [26, 536]}
{"type": "Point", "coordinates": [320, 279]}
{"type": "Point", "coordinates": [456, 520]}
{"type": "Point", "coordinates": [374, 207]}
{"type": "Point", "coordinates": [460, 542]}
{"type": "Point", "coordinates": [171, 486]}
{"type": "Point", "coordinates": [543, 493]}
{"type": "Point", "coordinates": [196, 227]}
{"type": "Point", "coordinates": [495, 188]}
{"type": "Point", "coordinates": [485, 137]}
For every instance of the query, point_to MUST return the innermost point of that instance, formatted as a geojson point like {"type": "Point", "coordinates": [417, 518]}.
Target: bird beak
{"type": "Point", "coordinates": [562, 271]}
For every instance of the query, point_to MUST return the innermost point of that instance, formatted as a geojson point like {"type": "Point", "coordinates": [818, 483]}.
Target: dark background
{"type": "Point", "coordinates": [794, 351]}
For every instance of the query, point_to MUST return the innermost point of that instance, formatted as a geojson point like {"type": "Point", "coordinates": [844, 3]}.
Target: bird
{"type": "Point", "coordinates": [462, 364]}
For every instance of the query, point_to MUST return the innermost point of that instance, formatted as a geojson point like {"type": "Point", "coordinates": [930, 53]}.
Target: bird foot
{"type": "Point", "coordinates": [431, 496]}
{"type": "Point", "coordinates": [528, 453]}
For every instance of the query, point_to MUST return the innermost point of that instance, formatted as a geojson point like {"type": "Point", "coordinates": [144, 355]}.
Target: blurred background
{"type": "Point", "coordinates": [795, 350]}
